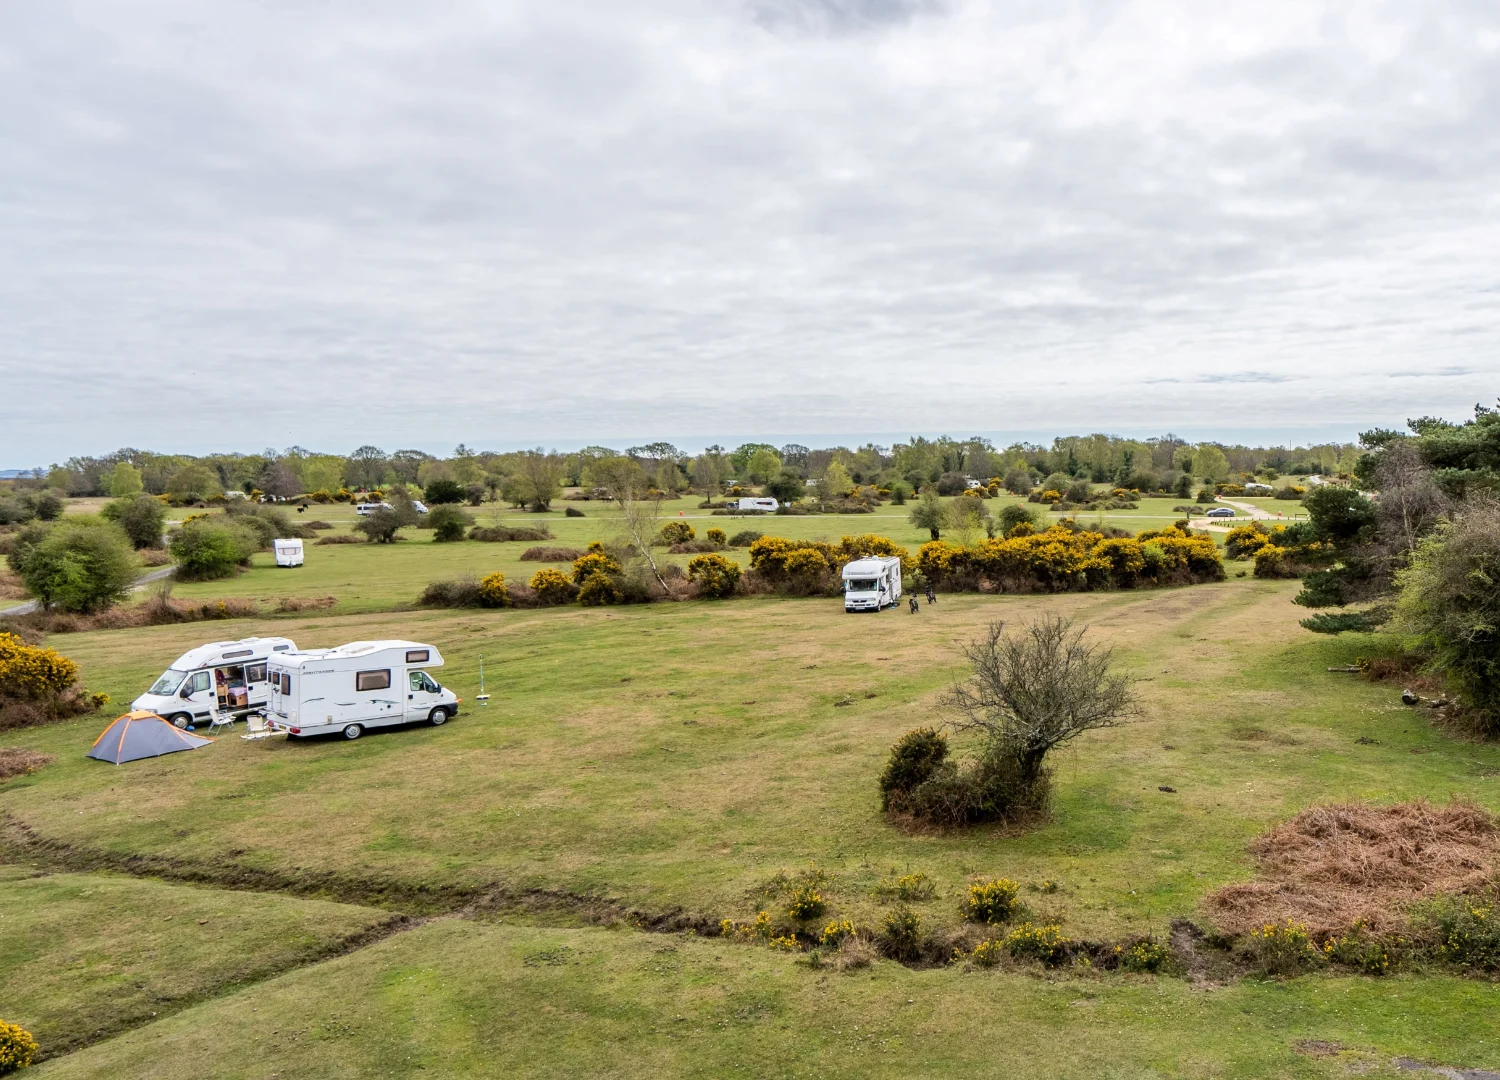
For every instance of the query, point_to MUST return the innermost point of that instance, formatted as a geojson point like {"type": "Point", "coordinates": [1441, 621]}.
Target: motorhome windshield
{"type": "Point", "coordinates": [861, 585]}
{"type": "Point", "coordinates": [170, 680]}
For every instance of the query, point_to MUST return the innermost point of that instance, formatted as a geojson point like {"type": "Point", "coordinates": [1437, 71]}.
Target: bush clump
{"type": "Point", "coordinates": [573, 511]}
{"type": "Point", "coordinates": [207, 548]}
{"type": "Point", "coordinates": [716, 536]}
{"type": "Point", "coordinates": [142, 518]}
{"type": "Point", "coordinates": [806, 902]}
{"type": "Point", "coordinates": [745, 537]}
{"type": "Point", "coordinates": [1044, 944]}
{"type": "Point", "coordinates": [459, 593]}
{"type": "Point", "coordinates": [1147, 956]}
{"type": "Point", "coordinates": [552, 586]}
{"type": "Point", "coordinates": [1463, 931]}
{"type": "Point", "coordinates": [82, 566]}
{"type": "Point", "coordinates": [914, 758]}
{"type": "Point", "coordinates": [17, 1048]}
{"type": "Point", "coordinates": [990, 901]}
{"type": "Point", "coordinates": [448, 523]}
{"type": "Point", "coordinates": [38, 685]}
{"type": "Point", "coordinates": [901, 934]}
{"type": "Point", "coordinates": [675, 532]}
{"type": "Point", "coordinates": [914, 886]}
{"type": "Point", "coordinates": [717, 577]}
{"type": "Point", "coordinates": [492, 591]}
{"type": "Point", "coordinates": [1282, 948]}
{"type": "Point", "coordinates": [500, 534]}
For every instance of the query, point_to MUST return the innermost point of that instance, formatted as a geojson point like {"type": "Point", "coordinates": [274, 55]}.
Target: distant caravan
{"type": "Point", "coordinates": [749, 505]}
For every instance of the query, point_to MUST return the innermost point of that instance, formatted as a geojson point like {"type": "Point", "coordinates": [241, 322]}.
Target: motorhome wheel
{"type": "Point", "coordinates": [181, 720]}
{"type": "Point", "coordinates": [353, 731]}
{"type": "Point", "coordinates": [438, 717]}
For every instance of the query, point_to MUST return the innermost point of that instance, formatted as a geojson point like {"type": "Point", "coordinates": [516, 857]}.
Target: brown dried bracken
{"type": "Point", "coordinates": [18, 761]}
{"type": "Point", "coordinates": [1332, 865]}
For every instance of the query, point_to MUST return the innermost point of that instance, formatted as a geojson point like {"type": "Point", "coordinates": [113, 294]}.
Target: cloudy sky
{"type": "Point", "coordinates": [232, 225]}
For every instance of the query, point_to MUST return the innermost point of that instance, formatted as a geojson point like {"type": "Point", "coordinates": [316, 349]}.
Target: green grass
{"type": "Point", "coordinates": [680, 756]}
{"type": "Point", "coordinates": [87, 955]}
{"type": "Point", "coordinates": [461, 999]}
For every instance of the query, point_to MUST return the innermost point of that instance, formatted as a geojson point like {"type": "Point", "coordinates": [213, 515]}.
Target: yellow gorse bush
{"type": "Point", "coordinates": [31, 671]}
{"type": "Point", "coordinates": [1044, 944]}
{"type": "Point", "coordinates": [988, 953]}
{"type": "Point", "coordinates": [1060, 558]}
{"type": "Point", "coordinates": [17, 1048]}
{"type": "Point", "coordinates": [593, 563]}
{"type": "Point", "coordinates": [990, 901]}
{"type": "Point", "coordinates": [492, 591]}
{"type": "Point", "coordinates": [835, 932]}
{"type": "Point", "coordinates": [551, 585]}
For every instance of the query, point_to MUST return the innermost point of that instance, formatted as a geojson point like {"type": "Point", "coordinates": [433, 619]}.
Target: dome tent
{"type": "Point", "coordinates": [139, 735]}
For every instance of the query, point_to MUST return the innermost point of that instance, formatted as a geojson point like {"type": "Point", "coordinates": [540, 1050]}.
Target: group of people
{"type": "Point", "coordinates": [915, 606]}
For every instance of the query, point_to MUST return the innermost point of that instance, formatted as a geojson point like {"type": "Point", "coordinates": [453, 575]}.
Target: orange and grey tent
{"type": "Point", "coordinates": [139, 735]}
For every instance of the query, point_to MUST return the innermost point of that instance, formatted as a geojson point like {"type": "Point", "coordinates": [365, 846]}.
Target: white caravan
{"type": "Point", "coordinates": [224, 678]}
{"type": "Point", "coordinates": [288, 552]}
{"type": "Point", "coordinates": [750, 505]}
{"type": "Point", "coordinates": [872, 583]}
{"type": "Point", "coordinates": [364, 684]}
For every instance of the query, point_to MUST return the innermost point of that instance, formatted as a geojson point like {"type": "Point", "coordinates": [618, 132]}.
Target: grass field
{"type": "Point", "coordinates": [677, 758]}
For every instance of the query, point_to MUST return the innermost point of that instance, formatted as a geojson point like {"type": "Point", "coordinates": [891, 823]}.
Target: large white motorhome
{"type": "Point", "coordinates": [364, 684]}
{"type": "Point", "coordinates": [226, 678]}
{"type": "Point", "coordinates": [872, 583]}
{"type": "Point", "coordinates": [755, 505]}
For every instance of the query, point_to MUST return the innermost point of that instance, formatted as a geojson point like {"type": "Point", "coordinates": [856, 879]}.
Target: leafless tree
{"type": "Point", "coordinates": [1034, 690]}
{"type": "Point", "coordinates": [1410, 505]}
{"type": "Point", "coordinates": [629, 486]}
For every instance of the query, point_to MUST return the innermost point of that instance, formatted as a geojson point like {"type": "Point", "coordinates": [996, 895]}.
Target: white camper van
{"type": "Point", "coordinates": [749, 505]}
{"type": "Point", "coordinates": [227, 678]}
{"type": "Point", "coordinates": [288, 552]}
{"type": "Point", "coordinates": [361, 685]}
{"type": "Point", "coordinates": [872, 583]}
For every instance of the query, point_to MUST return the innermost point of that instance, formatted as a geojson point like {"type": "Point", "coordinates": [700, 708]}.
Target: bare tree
{"type": "Point", "coordinates": [629, 486]}
{"type": "Point", "coordinates": [541, 475]}
{"type": "Point", "coordinates": [1032, 691]}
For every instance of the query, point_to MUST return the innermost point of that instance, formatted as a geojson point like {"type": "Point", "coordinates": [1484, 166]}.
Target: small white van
{"type": "Point", "coordinates": [872, 583]}
{"type": "Point", "coordinates": [224, 677]}
{"type": "Point", "coordinates": [749, 505]}
{"type": "Point", "coordinates": [361, 685]}
{"type": "Point", "coordinates": [365, 509]}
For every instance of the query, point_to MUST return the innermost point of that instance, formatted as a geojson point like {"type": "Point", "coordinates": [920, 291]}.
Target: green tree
{"type": "Point", "coordinates": [124, 479]}
{"type": "Point", "coordinates": [835, 483]}
{"type": "Point", "coordinates": [1210, 463]}
{"type": "Point", "coordinates": [379, 526]}
{"type": "Point", "coordinates": [82, 565]}
{"type": "Point", "coordinates": [193, 483]}
{"type": "Point", "coordinates": [540, 476]}
{"type": "Point", "coordinates": [449, 523]}
{"type": "Point", "coordinates": [444, 491]}
{"type": "Point", "coordinates": [785, 487]}
{"type": "Point", "coordinates": [143, 517]}
{"type": "Point", "coordinates": [763, 465]}
{"type": "Point", "coordinates": [930, 513]}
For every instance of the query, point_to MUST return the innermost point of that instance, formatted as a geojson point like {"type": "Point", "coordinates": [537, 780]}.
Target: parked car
{"type": "Point", "coordinates": [1221, 511]}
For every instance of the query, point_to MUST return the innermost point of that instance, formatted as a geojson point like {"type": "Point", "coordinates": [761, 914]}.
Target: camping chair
{"type": "Point", "coordinates": [256, 727]}
{"type": "Point", "coordinates": [220, 720]}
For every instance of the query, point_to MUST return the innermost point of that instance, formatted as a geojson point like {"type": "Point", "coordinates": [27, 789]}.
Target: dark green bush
{"type": "Point", "coordinates": [448, 523]}
{"type": "Point", "coordinates": [380, 525]}
{"type": "Point", "coordinates": [914, 758]}
{"type": "Point", "coordinates": [462, 593]}
{"type": "Point", "coordinates": [497, 534]}
{"type": "Point", "coordinates": [745, 537]}
{"type": "Point", "coordinates": [598, 590]}
{"type": "Point", "coordinates": [444, 491]}
{"type": "Point", "coordinates": [82, 566]}
{"type": "Point", "coordinates": [901, 934]}
{"type": "Point", "coordinates": [573, 511]}
{"type": "Point", "coordinates": [209, 548]}
{"type": "Point", "coordinates": [142, 517]}
{"type": "Point", "coordinates": [1012, 515]}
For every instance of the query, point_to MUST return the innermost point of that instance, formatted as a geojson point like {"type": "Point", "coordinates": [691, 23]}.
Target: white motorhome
{"type": "Point", "coordinates": [365, 509]}
{"type": "Point", "coordinates": [364, 684]}
{"type": "Point", "coordinates": [751, 505]}
{"type": "Point", "coordinates": [224, 678]}
{"type": "Point", "coordinates": [288, 552]}
{"type": "Point", "coordinates": [872, 583]}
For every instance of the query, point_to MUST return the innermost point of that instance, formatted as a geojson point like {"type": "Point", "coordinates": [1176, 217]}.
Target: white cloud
{"type": "Point", "coordinates": [329, 222]}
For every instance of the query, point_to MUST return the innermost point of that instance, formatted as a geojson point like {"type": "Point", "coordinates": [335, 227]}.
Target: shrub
{"type": "Point", "coordinates": [914, 886]}
{"type": "Point", "coordinates": [1011, 515]}
{"type": "Point", "coordinates": [337, 538]}
{"type": "Point", "coordinates": [990, 901]}
{"type": "Point", "coordinates": [81, 566]}
{"type": "Point", "coordinates": [492, 591]}
{"type": "Point", "coordinates": [1449, 606]}
{"type": "Point", "coordinates": [806, 903]}
{"type": "Point", "coordinates": [552, 586]}
{"type": "Point", "coordinates": [46, 506]}
{"type": "Point", "coordinates": [209, 548]}
{"type": "Point", "coordinates": [17, 1048]}
{"type": "Point", "coordinates": [573, 511]}
{"type": "Point", "coordinates": [675, 532]}
{"type": "Point", "coordinates": [1290, 492]}
{"type": "Point", "coordinates": [1358, 949]}
{"type": "Point", "coordinates": [441, 492]}
{"type": "Point", "coordinates": [141, 517]}
{"type": "Point", "coordinates": [1044, 944]}
{"type": "Point", "coordinates": [379, 526]}
{"type": "Point", "coordinates": [1274, 561]}
{"type": "Point", "coordinates": [717, 577]}
{"type": "Point", "coordinates": [594, 564]}
{"type": "Point", "coordinates": [1206, 496]}
{"type": "Point", "coordinates": [500, 534]}
{"type": "Point", "coordinates": [716, 536]}
{"type": "Point", "coordinates": [745, 537]}
{"type": "Point", "coordinates": [987, 953]}
{"type": "Point", "coordinates": [32, 672]}
{"type": "Point", "coordinates": [1282, 948]}
{"type": "Point", "coordinates": [914, 758]}
{"type": "Point", "coordinates": [598, 590]}
{"type": "Point", "coordinates": [448, 522]}
{"type": "Point", "coordinates": [1245, 540]}
{"type": "Point", "coordinates": [551, 554]}
{"type": "Point", "coordinates": [1146, 955]}
{"type": "Point", "coordinates": [1462, 931]}
{"type": "Point", "coordinates": [835, 933]}
{"type": "Point", "coordinates": [462, 593]}
{"type": "Point", "coordinates": [901, 934]}
{"type": "Point", "coordinates": [900, 491]}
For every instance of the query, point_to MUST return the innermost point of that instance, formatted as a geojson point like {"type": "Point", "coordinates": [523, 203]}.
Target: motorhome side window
{"type": "Point", "coordinates": [200, 682]}
{"type": "Point", "coordinates": [255, 673]}
{"type": "Point", "coordinates": [418, 656]}
{"type": "Point", "coordinates": [372, 680]}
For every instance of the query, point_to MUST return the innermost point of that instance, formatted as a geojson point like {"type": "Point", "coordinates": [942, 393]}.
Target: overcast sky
{"type": "Point", "coordinates": [326, 222]}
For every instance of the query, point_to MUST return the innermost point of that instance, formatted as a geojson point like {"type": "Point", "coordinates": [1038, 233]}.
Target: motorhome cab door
{"type": "Point", "coordinates": [422, 693]}
{"type": "Point", "coordinates": [197, 694]}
